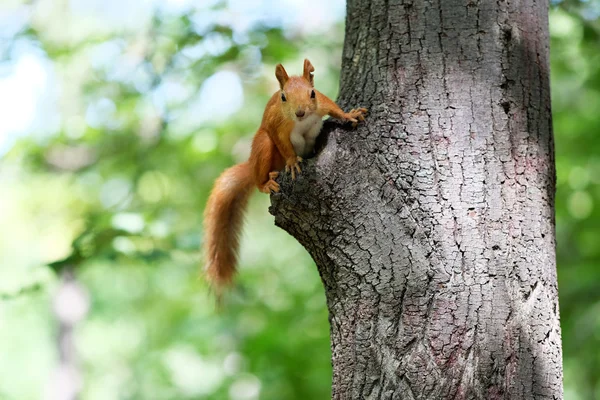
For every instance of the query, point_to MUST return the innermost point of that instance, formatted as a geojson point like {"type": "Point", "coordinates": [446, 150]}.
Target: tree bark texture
{"type": "Point", "coordinates": [432, 224]}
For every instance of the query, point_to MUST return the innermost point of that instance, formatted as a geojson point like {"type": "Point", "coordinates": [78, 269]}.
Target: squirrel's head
{"type": "Point", "coordinates": [297, 95]}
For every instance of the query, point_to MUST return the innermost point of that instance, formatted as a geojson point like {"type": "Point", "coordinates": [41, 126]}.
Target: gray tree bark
{"type": "Point", "coordinates": [432, 225]}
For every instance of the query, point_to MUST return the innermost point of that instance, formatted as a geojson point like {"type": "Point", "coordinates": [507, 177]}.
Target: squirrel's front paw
{"type": "Point", "coordinates": [355, 115]}
{"type": "Point", "coordinates": [293, 165]}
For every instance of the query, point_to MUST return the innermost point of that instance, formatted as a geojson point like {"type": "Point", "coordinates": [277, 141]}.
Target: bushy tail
{"type": "Point", "coordinates": [223, 220]}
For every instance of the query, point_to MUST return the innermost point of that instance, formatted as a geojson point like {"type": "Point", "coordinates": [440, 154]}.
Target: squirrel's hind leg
{"type": "Point", "coordinates": [271, 185]}
{"type": "Point", "coordinates": [265, 160]}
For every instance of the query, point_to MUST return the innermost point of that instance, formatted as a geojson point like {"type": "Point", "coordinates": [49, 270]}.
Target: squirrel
{"type": "Point", "coordinates": [290, 125]}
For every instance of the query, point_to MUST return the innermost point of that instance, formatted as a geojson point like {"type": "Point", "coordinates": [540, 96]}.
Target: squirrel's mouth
{"type": "Point", "coordinates": [303, 117]}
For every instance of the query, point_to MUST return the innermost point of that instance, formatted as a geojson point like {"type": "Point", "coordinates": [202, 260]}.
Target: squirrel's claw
{"type": "Point", "coordinates": [293, 166]}
{"type": "Point", "coordinates": [270, 186]}
{"type": "Point", "coordinates": [355, 115]}
{"type": "Point", "coordinates": [273, 186]}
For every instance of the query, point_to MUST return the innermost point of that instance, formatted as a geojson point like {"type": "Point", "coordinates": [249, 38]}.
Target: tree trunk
{"type": "Point", "coordinates": [432, 225]}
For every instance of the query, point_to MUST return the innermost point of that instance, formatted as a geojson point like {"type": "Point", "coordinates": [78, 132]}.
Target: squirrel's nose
{"type": "Point", "coordinates": [300, 113]}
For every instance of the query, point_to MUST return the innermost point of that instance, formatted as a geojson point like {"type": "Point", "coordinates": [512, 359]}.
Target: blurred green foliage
{"type": "Point", "coordinates": [575, 80]}
{"type": "Point", "coordinates": [145, 114]}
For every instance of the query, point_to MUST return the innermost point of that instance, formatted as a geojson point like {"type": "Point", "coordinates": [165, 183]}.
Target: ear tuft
{"type": "Point", "coordinates": [308, 71]}
{"type": "Point", "coordinates": [281, 75]}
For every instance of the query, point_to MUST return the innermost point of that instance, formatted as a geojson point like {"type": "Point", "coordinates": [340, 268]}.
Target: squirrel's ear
{"type": "Point", "coordinates": [308, 71]}
{"type": "Point", "coordinates": [281, 75]}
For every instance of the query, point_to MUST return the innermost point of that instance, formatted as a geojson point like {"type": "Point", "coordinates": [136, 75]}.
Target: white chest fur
{"type": "Point", "coordinates": [304, 134]}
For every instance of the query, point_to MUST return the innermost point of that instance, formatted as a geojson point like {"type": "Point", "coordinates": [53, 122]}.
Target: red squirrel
{"type": "Point", "coordinates": [291, 123]}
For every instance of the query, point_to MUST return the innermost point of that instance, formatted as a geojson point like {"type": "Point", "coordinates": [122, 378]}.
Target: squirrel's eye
{"type": "Point", "coordinates": [282, 97]}
{"type": "Point", "coordinates": [312, 94]}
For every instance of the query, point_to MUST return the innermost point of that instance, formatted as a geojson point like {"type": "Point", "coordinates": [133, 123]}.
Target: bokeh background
{"type": "Point", "coordinates": [115, 118]}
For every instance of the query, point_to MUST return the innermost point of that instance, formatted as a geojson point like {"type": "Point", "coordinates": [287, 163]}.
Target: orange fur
{"type": "Point", "coordinates": [223, 218]}
{"type": "Point", "coordinates": [272, 150]}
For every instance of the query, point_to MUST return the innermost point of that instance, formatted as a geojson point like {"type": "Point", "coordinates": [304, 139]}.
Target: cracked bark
{"type": "Point", "coordinates": [432, 225]}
